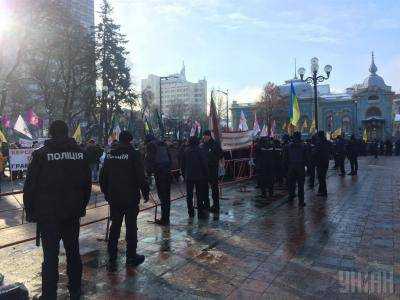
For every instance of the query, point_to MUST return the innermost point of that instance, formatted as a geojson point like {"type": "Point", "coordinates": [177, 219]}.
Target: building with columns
{"type": "Point", "coordinates": [366, 106]}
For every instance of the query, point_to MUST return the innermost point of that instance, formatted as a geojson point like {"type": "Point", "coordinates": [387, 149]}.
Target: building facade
{"type": "Point", "coordinates": [174, 95]}
{"type": "Point", "coordinates": [367, 107]}
{"type": "Point", "coordinates": [82, 10]}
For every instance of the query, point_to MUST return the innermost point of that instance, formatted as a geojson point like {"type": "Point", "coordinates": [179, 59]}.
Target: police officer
{"type": "Point", "coordinates": [122, 178]}
{"type": "Point", "coordinates": [296, 159]}
{"type": "Point", "coordinates": [341, 154]}
{"type": "Point", "coordinates": [158, 162]}
{"type": "Point", "coordinates": [266, 158]}
{"type": "Point", "coordinates": [352, 154]}
{"type": "Point", "coordinates": [194, 167]}
{"type": "Point", "coordinates": [213, 152]}
{"type": "Point", "coordinates": [56, 192]}
{"type": "Point", "coordinates": [321, 155]}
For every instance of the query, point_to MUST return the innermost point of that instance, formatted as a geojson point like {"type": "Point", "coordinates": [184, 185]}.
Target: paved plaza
{"type": "Point", "coordinates": [342, 247]}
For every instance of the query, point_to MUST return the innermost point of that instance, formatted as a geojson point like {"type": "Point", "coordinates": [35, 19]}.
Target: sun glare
{"type": "Point", "coordinates": [5, 19]}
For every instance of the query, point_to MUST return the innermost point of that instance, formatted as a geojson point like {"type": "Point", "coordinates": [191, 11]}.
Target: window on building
{"type": "Point", "coordinates": [329, 121]}
{"type": "Point", "coordinates": [373, 112]}
{"type": "Point", "coordinates": [346, 124]}
{"type": "Point", "coordinates": [373, 97]}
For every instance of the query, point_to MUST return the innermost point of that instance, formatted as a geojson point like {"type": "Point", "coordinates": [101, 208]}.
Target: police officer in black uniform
{"type": "Point", "coordinates": [122, 178]}
{"type": "Point", "coordinates": [321, 155]}
{"type": "Point", "coordinates": [56, 192]}
{"type": "Point", "coordinates": [352, 154]}
{"type": "Point", "coordinates": [158, 162]}
{"type": "Point", "coordinates": [296, 159]}
{"type": "Point", "coordinates": [266, 159]}
{"type": "Point", "coordinates": [213, 151]}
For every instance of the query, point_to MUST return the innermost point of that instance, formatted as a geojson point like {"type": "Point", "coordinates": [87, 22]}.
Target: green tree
{"type": "Point", "coordinates": [113, 70]}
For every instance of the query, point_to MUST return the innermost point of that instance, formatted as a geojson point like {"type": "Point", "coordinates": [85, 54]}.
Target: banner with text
{"type": "Point", "coordinates": [20, 159]}
{"type": "Point", "coordinates": [236, 140]}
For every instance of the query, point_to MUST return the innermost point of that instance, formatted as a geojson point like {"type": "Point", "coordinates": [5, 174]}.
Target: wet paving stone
{"type": "Point", "coordinates": [255, 249]}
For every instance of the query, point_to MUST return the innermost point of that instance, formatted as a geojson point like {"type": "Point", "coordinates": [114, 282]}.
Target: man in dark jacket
{"type": "Point", "coordinates": [122, 178]}
{"type": "Point", "coordinates": [296, 159]}
{"type": "Point", "coordinates": [56, 192]}
{"type": "Point", "coordinates": [213, 153]}
{"type": "Point", "coordinates": [311, 162]}
{"type": "Point", "coordinates": [321, 155]}
{"type": "Point", "coordinates": [195, 170]}
{"type": "Point", "coordinates": [341, 154]}
{"type": "Point", "coordinates": [266, 160]}
{"type": "Point", "coordinates": [94, 152]}
{"type": "Point", "coordinates": [158, 162]}
{"type": "Point", "coordinates": [352, 154]}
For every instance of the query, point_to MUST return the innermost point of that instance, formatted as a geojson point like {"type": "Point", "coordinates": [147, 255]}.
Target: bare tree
{"type": "Point", "coordinates": [272, 106]}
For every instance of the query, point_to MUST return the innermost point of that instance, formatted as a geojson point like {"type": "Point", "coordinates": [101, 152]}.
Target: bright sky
{"type": "Point", "coordinates": [241, 45]}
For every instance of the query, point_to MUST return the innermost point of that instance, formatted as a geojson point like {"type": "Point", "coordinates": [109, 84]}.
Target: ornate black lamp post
{"type": "Point", "coordinates": [314, 79]}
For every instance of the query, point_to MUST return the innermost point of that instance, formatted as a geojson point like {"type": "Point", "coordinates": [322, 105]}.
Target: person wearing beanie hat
{"type": "Point", "coordinates": [56, 191]}
{"type": "Point", "coordinates": [296, 158]}
{"type": "Point", "coordinates": [122, 180]}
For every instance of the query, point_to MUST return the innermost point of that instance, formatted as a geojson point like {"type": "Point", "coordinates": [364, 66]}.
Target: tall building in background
{"type": "Point", "coordinates": [83, 10]}
{"type": "Point", "coordinates": [179, 97]}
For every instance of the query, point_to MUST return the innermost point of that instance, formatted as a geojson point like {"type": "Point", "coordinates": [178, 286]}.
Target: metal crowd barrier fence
{"type": "Point", "coordinates": [236, 170]}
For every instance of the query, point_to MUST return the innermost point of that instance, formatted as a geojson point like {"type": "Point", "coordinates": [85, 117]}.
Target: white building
{"type": "Point", "coordinates": [177, 94]}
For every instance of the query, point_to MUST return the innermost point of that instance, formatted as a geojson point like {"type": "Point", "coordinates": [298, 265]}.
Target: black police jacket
{"type": "Point", "coordinates": [322, 153]}
{"type": "Point", "coordinates": [213, 152]}
{"type": "Point", "coordinates": [296, 155]}
{"type": "Point", "coordinates": [58, 182]}
{"type": "Point", "coordinates": [122, 177]}
{"type": "Point", "coordinates": [194, 164]}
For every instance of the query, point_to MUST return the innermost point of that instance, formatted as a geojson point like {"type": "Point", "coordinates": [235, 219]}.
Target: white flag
{"type": "Point", "coordinates": [264, 131]}
{"type": "Point", "coordinates": [21, 127]}
{"type": "Point", "coordinates": [256, 126]}
{"type": "Point", "coordinates": [243, 122]}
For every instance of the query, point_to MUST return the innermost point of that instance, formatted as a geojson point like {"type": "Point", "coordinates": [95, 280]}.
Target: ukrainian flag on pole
{"type": "Point", "coordinates": [294, 109]}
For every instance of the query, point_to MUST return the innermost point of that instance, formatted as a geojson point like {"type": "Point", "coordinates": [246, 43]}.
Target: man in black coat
{"type": "Point", "coordinates": [213, 153]}
{"type": "Point", "coordinates": [122, 178]}
{"type": "Point", "coordinates": [266, 160]}
{"type": "Point", "coordinates": [56, 192]}
{"type": "Point", "coordinates": [352, 154]}
{"type": "Point", "coordinates": [158, 162]}
{"type": "Point", "coordinates": [296, 159]}
{"type": "Point", "coordinates": [321, 155]}
{"type": "Point", "coordinates": [94, 152]}
{"type": "Point", "coordinates": [341, 154]}
{"type": "Point", "coordinates": [195, 170]}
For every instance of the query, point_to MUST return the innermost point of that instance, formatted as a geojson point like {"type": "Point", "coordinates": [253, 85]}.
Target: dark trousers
{"type": "Point", "coordinates": [311, 174]}
{"type": "Point", "coordinates": [201, 187]}
{"type": "Point", "coordinates": [163, 184]}
{"type": "Point", "coordinates": [341, 164]}
{"type": "Point", "coordinates": [267, 182]}
{"type": "Point", "coordinates": [117, 216]}
{"type": "Point", "coordinates": [213, 183]}
{"type": "Point", "coordinates": [321, 173]}
{"type": "Point", "coordinates": [51, 234]}
{"type": "Point", "coordinates": [296, 177]}
{"type": "Point", "coordinates": [353, 164]}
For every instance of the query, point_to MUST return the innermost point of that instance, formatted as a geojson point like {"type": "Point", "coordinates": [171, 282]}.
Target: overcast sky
{"type": "Point", "coordinates": [241, 45]}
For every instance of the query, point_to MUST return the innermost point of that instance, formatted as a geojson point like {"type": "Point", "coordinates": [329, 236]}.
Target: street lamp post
{"type": "Point", "coordinates": [314, 79]}
{"type": "Point", "coordinates": [356, 129]}
{"type": "Point", "coordinates": [227, 107]}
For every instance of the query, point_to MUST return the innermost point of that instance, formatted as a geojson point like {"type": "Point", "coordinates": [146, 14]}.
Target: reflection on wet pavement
{"type": "Point", "coordinates": [256, 249]}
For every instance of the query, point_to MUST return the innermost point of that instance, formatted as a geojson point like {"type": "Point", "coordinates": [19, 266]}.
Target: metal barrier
{"type": "Point", "coordinates": [237, 170]}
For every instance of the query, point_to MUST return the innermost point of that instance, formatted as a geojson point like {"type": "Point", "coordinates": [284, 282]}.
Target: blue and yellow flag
{"type": "Point", "coordinates": [294, 109]}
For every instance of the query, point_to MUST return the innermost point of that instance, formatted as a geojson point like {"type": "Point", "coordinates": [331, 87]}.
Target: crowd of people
{"type": "Point", "coordinates": [59, 179]}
